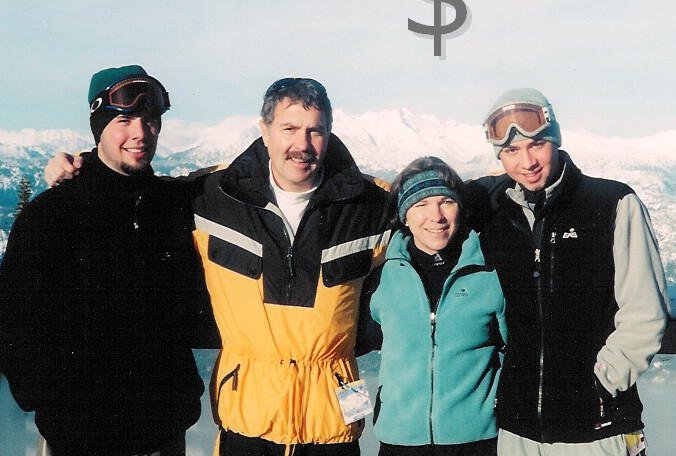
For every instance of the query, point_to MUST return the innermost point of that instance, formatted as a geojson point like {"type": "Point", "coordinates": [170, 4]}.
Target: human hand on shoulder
{"type": "Point", "coordinates": [60, 167]}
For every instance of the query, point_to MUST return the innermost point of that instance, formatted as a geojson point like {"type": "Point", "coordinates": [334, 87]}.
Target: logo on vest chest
{"type": "Point", "coordinates": [570, 234]}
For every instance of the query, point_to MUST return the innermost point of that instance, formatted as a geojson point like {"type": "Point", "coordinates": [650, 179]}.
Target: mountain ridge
{"type": "Point", "coordinates": [382, 143]}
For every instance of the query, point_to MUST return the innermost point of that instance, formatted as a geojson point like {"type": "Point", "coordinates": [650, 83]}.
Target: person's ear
{"type": "Point", "coordinates": [264, 129]}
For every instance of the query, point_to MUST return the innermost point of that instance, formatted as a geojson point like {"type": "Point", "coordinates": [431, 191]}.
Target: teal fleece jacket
{"type": "Point", "coordinates": [438, 381]}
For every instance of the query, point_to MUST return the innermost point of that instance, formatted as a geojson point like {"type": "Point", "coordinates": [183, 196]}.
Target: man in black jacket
{"type": "Point", "coordinates": [106, 364]}
{"type": "Point", "coordinates": [585, 289]}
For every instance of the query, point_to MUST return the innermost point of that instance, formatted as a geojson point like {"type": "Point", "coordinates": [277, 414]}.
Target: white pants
{"type": "Point", "coordinates": [510, 444]}
{"type": "Point", "coordinates": [43, 450]}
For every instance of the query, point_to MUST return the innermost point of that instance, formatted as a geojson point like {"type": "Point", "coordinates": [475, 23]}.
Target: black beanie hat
{"type": "Point", "coordinates": [100, 82]}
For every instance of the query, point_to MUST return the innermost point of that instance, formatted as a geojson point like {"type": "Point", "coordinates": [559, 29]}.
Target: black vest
{"type": "Point", "coordinates": [558, 281]}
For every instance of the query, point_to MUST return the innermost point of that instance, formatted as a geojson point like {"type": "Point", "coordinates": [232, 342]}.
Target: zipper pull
{"type": "Point", "coordinates": [433, 321]}
{"type": "Point", "coordinates": [137, 202]}
{"type": "Point", "coordinates": [233, 374]}
{"type": "Point", "coordinates": [602, 414]}
{"type": "Point", "coordinates": [536, 272]}
{"type": "Point", "coordinates": [552, 240]}
{"type": "Point", "coordinates": [604, 418]}
{"type": "Point", "coordinates": [235, 377]}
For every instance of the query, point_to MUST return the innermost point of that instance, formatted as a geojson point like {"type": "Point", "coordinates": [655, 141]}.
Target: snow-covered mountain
{"type": "Point", "coordinates": [382, 143]}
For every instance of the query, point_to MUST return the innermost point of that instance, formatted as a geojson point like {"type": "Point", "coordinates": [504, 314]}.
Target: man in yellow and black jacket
{"type": "Point", "coordinates": [287, 233]}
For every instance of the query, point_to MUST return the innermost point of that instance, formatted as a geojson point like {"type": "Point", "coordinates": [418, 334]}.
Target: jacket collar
{"type": "Point", "coordinates": [99, 172]}
{"type": "Point", "coordinates": [247, 179]}
{"type": "Point", "coordinates": [470, 255]}
{"type": "Point", "coordinates": [560, 191]}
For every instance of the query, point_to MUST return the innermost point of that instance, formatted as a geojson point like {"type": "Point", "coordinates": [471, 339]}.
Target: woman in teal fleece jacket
{"type": "Point", "coordinates": [441, 312]}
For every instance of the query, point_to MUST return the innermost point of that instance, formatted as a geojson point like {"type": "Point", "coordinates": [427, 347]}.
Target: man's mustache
{"type": "Point", "coordinates": [302, 156]}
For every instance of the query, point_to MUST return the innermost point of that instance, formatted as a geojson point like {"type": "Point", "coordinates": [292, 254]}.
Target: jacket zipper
{"type": "Point", "coordinates": [433, 328]}
{"type": "Point", "coordinates": [538, 232]}
{"type": "Point", "coordinates": [137, 203]}
{"type": "Point", "coordinates": [289, 262]}
{"type": "Point", "coordinates": [433, 323]}
{"type": "Point", "coordinates": [289, 255]}
{"type": "Point", "coordinates": [541, 360]}
{"type": "Point", "coordinates": [602, 422]}
{"type": "Point", "coordinates": [536, 241]}
{"type": "Point", "coordinates": [290, 267]}
{"type": "Point", "coordinates": [552, 240]}
{"type": "Point", "coordinates": [541, 314]}
{"type": "Point", "coordinates": [233, 374]}
{"type": "Point", "coordinates": [291, 271]}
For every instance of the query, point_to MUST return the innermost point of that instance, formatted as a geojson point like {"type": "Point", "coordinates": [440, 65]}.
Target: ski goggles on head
{"type": "Point", "coordinates": [132, 95]}
{"type": "Point", "coordinates": [286, 83]}
{"type": "Point", "coordinates": [530, 119]}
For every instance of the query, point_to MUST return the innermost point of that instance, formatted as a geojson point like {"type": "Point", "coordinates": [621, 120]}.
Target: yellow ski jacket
{"type": "Point", "coordinates": [287, 312]}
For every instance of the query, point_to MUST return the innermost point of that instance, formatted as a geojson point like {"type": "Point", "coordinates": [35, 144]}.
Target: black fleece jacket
{"type": "Point", "coordinates": [101, 298]}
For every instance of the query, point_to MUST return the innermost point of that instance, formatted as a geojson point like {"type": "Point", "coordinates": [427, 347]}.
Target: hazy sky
{"type": "Point", "coordinates": [608, 67]}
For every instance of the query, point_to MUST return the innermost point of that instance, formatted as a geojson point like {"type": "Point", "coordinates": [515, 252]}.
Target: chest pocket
{"type": "Point", "coordinates": [351, 260]}
{"type": "Point", "coordinates": [239, 259]}
{"type": "Point", "coordinates": [232, 249]}
{"type": "Point", "coordinates": [582, 247]}
{"type": "Point", "coordinates": [347, 268]}
{"type": "Point", "coordinates": [583, 255]}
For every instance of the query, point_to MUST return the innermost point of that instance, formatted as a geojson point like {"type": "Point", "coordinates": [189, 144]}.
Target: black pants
{"type": "Point", "coordinates": [481, 448]}
{"type": "Point", "coordinates": [173, 446]}
{"type": "Point", "coordinates": [233, 444]}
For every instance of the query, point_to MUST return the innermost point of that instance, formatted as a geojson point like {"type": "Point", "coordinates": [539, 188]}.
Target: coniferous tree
{"type": "Point", "coordinates": [25, 191]}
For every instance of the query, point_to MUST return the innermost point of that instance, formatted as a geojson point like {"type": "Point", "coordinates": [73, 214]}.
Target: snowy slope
{"type": "Point", "coordinates": [18, 433]}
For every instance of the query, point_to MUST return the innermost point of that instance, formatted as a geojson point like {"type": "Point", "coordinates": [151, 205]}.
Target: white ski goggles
{"type": "Point", "coordinates": [529, 119]}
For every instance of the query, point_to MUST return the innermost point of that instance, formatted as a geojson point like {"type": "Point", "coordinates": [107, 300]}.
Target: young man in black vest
{"type": "Point", "coordinates": [586, 295]}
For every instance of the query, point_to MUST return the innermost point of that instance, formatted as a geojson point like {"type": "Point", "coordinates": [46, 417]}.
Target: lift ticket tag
{"type": "Point", "coordinates": [354, 401]}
